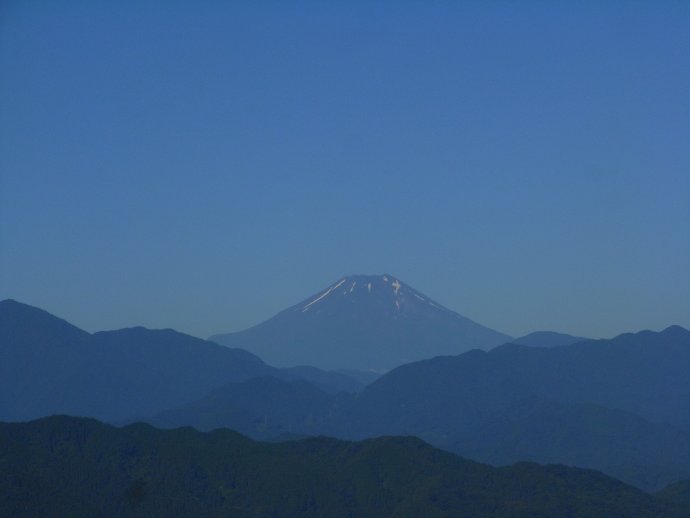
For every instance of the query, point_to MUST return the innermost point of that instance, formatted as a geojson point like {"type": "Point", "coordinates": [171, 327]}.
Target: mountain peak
{"type": "Point", "coordinates": [19, 318]}
{"type": "Point", "coordinates": [366, 322]}
{"type": "Point", "coordinates": [381, 291]}
{"type": "Point", "coordinates": [675, 330]}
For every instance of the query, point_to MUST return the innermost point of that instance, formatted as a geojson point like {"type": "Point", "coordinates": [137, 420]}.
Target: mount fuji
{"type": "Point", "coordinates": [365, 322]}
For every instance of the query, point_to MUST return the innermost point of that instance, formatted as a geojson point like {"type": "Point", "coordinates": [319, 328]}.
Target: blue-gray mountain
{"type": "Point", "coordinates": [450, 402]}
{"type": "Point", "coordinates": [646, 373]}
{"type": "Point", "coordinates": [365, 322]}
{"type": "Point", "coordinates": [48, 366]}
{"type": "Point", "coordinates": [621, 406]}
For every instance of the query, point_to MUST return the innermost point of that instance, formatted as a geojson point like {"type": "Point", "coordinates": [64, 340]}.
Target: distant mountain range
{"type": "Point", "coordinates": [49, 366]}
{"type": "Point", "coordinates": [453, 402]}
{"type": "Point", "coordinates": [66, 466]}
{"type": "Point", "coordinates": [621, 405]}
{"type": "Point", "coordinates": [365, 322]}
{"type": "Point", "coordinates": [646, 373]}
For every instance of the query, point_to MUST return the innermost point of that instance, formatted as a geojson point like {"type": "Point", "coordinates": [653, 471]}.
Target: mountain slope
{"type": "Point", "coordinates": [63, 466]}
{"type": "Point", "coordinates": [513, 403]}
{"type": "Point", "coordinates": [620, 444]}
{"type": "Point", "coordinates": [641, 380]}
{"type": "Point", "coordinates": [678, 493]}
{"type": "Point", "coordinates": [40, 356]}
{"type": "Point", "coordinates": [262, 408]}
{"type": "Point", "coordinates": [48, 366]}
{"type": "Point", "coordinates": [365, 322]}
{"type": "Point", "coordinates": [645, 373]}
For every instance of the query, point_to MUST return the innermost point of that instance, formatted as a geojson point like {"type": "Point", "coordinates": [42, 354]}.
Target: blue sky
{"type": "Point", "coordinates": [203, 165]}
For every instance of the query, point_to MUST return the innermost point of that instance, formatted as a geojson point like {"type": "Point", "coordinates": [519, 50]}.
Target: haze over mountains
{"type": "Point", "coordinates": [621, 406]}
{"type": "Point", "coordinates": [365, 322]}
{"type": "Point", "coordinates": [49, 366]}
{"type": "Point", "coordinates": [632, 391]}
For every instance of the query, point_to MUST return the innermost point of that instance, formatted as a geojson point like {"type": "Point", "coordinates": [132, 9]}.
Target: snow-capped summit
{"type": "Point", "coordinates": [371, 292]}
{"type": "Point", "coordinates": [368, 322]}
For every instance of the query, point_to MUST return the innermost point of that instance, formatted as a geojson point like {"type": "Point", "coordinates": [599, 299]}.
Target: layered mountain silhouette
{"type": "Point", "coordinates": [365, 322]}
{"type": "Point", "coordinates": [65, 466]}
{"type": "Point", "coordinates": [646, 373]}
{"type": "Point", "coordinates": [449, 400]}
{"type": "Point", "coordinates": [621, 406]}
{"type": "Point", "coordinates": [49, 366]}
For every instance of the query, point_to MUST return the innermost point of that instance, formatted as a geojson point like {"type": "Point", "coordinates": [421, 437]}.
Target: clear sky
{"type": "Point", "coordinates": [203, 165]}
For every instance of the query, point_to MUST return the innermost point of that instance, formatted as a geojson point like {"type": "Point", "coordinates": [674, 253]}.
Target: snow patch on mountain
{"type": "Point", "coordinates": [325, 294]}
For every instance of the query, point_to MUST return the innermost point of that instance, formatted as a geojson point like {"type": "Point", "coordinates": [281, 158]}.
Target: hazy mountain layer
{"type": "Point", "coordinates": [48, 366]}
{"type": "Point", "coordinates": [621, 405]}
{"type": "Point", "coordinates": [473, 397]}
{"type": "Point", "coordinates": [365, 322]}
{"type": "Point", "coordinates": [645, 373]}
{"type": "Point", "coordinates": [262, 408]}
{"type": "Point", "coordinates": [548, 339]}
{"type": "Point", "coordinates": [615, 405]}
{"type": "Point", "coordinates": [64, 466]}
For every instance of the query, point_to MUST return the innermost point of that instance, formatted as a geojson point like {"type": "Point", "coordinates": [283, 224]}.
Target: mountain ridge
{"type": "Point", "coordinates": [66, 466]}
{"type": "Point", "coordinates": [49, 366]}
{"type": "Point", "coordinates": [515, 402]}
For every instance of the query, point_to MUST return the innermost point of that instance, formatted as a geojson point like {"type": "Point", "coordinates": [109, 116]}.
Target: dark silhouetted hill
{"type": "Point", "coordinates": [65, 466]}
{"type": "Point", "coordinates": [678, 493]}
{"type": "Point", "coordinates": [623, 445]}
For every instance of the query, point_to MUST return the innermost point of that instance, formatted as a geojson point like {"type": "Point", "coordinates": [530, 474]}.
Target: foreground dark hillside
{"type": "Point", "coordinates": [678, 493]}
{"type": "Point", "coordinates": [65, 466]}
